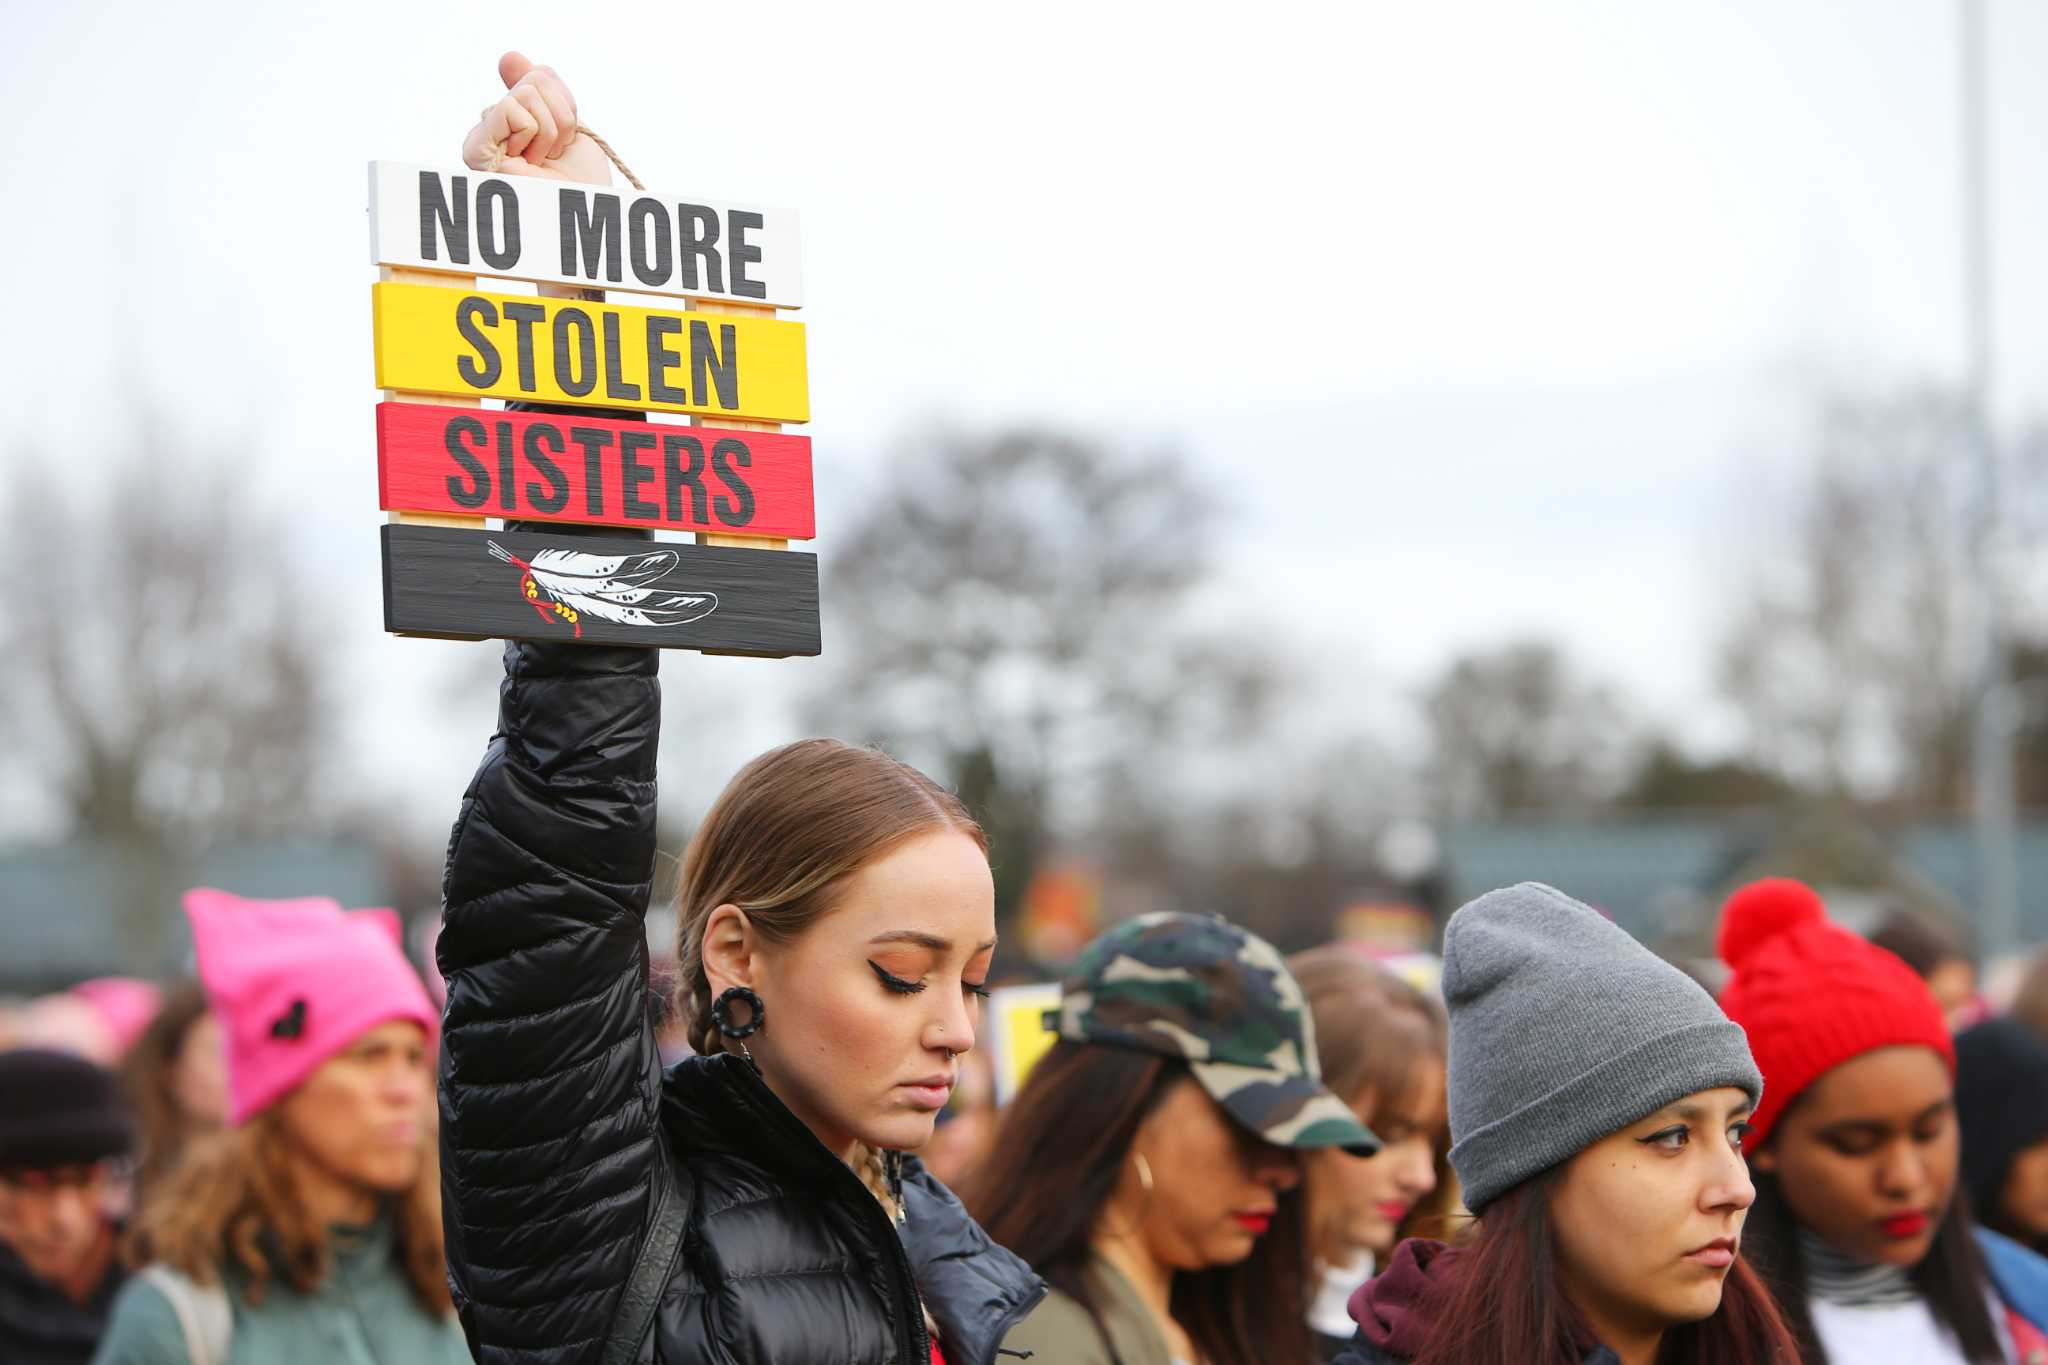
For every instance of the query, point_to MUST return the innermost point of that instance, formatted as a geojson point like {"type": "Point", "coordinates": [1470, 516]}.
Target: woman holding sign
{"type": "Point", "coordinates": [837, 923]}
{"type": "Point", "coordinates": [837, 920]}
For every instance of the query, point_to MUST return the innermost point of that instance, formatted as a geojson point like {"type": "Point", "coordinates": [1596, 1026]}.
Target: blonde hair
{"type": "Point", "coordinates": [1371, 1026]}
{"type": "Point", "coordinates": [780, 842]}
{"type": "Point", "coordinates": [233, 1200]}
{"type": "Point", "coordinates": [1373, 1030]}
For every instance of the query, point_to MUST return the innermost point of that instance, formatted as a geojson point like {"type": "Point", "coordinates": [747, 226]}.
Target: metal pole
{"type": "Point", "coordinates": [1991, 766]}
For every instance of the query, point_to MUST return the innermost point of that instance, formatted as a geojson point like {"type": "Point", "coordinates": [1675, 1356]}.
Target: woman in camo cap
{"type": "Point", "coordinates": [1148, 1167]}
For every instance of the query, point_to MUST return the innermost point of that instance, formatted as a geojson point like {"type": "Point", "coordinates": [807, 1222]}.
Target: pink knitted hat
{"type": "Point", "coordinates": [126, 1005]}
{"type": "Point", "coordinates": [295, 982]}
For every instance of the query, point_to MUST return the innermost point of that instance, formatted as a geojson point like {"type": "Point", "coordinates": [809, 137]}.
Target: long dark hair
{"type": "Point", "coordinates": [1057, 1159]}
{"type": "Point", "coordinates": [1503, 1301]}
{"type": "Point", "coordinates": [1951, 1277]}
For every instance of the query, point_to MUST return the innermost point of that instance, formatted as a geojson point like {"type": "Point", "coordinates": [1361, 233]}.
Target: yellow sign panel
{"type": "Point", "coordinates": [477, 345]}
{"type": "Point", "coordinates": [1015, 1021]}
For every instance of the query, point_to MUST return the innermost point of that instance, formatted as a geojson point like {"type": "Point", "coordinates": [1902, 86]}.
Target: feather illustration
{"type": "Point", "coordinates": [611, 571]}
{"type": "Point", "coordinates": [620, 588]}
{"type": "Point", "coordinates": [661, 609]}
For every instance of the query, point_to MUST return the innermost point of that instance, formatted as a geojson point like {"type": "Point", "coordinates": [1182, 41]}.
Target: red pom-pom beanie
{"type": "Point", "coordinates": [1811, 995]}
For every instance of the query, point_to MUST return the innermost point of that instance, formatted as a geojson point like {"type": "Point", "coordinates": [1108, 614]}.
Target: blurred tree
{"type": "Point", "coordinates": [1285, 855]}
{"type": "Point", "coordinates": [1668, 779]}
{"type": "Point", "coordinates": [165, 658]}
{"type": "Point", "coordinates": [2028, 671]}
{"type": "Point", "coordinates": [1849, 656]}
{"type": "Point", "coordinates": [1514, 730]}
{"type": "Point", "coordinates": [1016, 613]}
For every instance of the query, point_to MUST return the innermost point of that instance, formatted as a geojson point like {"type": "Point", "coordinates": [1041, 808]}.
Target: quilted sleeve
{"type": "Point", "coordinates": [549, 1072]}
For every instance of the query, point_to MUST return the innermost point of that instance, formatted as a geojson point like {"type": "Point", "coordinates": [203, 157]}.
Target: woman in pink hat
{"type": "Point", "coordinates": [310, 1230]}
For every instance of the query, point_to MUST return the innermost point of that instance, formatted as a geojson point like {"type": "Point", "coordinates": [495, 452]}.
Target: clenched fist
{"type": "Point", "coordinates": [531, 130]}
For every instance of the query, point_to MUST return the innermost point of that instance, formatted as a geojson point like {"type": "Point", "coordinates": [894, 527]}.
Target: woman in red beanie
{"type": "Point", "coordinates": [1858, 1222]}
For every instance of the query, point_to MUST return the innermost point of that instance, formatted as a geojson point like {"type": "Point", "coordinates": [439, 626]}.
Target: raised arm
{"type": "Point", "coordinates": [549, 1072]}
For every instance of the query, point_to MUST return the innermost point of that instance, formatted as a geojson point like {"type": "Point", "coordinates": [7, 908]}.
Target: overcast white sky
{"type": "Point", "coordinates": [1508, 306]}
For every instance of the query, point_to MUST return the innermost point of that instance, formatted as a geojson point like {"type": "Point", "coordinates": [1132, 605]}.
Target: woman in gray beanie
{"type": "Point", "coordinates": [1598, 1099]}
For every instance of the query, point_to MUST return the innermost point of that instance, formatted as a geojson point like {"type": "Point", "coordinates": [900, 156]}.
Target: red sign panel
{"type": "Point", "coordinates": [551, 467]}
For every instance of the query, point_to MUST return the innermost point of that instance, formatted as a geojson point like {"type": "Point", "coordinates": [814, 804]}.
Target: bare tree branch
{"type": "Point", "coordinates": [165, 654]}
{"type": "Point", "coordinates": [1019, 612]}
{"type": "Point", "coordinates": [1849, 657]}
{"type": "Point", "coordinates": [1515, 730]}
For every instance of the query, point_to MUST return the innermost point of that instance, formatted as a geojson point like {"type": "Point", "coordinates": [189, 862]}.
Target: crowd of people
{"type": "Point", "coordinates": [258, 1181]}
{"type": "Point", "coordinates": [1572, 1153]}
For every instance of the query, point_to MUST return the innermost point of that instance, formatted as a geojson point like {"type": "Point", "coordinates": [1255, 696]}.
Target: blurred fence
{"type": "Point", "coordinates": [78, 910]}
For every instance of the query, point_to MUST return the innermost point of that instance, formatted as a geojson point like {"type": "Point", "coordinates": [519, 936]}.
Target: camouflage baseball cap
{"type": "Point", "coordinates": [1199, 988]}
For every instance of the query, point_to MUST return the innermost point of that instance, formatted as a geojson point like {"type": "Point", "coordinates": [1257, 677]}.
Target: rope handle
{"type": "Point", "coordinates": [616, 160]}
{"type": "Point", "coordinates": [494, 153]}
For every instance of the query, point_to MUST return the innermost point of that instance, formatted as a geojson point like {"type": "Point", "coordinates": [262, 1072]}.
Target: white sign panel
{"type": "Point", "coordinates": [554, 232]}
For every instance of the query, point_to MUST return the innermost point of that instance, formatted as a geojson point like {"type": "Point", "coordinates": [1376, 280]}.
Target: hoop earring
{"type": "Point", "coordinates": [1145, 1186]}
{"type": "Point", "coordinates": [721, 1016]}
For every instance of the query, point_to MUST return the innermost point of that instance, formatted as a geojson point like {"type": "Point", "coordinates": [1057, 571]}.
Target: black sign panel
{"type": "Point", "coordinates": [474, 585]}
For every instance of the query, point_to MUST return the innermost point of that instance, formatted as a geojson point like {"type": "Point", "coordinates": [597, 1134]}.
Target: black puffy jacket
{"type": "Point", "coordinates": [558, 1125]}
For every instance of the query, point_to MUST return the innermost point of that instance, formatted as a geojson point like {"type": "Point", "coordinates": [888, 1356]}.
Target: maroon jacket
{"type": "Point", "coordinates": [1396, 1309]}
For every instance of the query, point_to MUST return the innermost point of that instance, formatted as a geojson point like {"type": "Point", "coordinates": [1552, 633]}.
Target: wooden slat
{"type": "Point", "coordinates": [475, 344]}
{"type": "Point", "coordinates": [547, 467]}
{"type": "Point", "coordinates": [450, 584]}
{"type": "Point", "coordinates": [474, 223]}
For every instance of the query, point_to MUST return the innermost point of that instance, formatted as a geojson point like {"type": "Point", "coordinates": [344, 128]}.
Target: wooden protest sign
{"type": "Point", "coordinates": [539, 466]}
{"type": "Point", "coordinates": [469, 585]}
{"type": "Point", "coordinates": [552, 232]}
{"type": "Point", "coordinates": [718, 354]}
{"type": "Point", "coordinates": [472, 344]}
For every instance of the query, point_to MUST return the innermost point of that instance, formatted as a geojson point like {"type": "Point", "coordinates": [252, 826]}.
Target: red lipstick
{"type": "Point", "coordinates": [1901, 1227]}
{"type": "Point", "coordinates": [1254, 1223]}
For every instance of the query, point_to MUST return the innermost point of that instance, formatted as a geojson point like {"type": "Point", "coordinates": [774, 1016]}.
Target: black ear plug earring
{"type": "Point", "coordinates": [721, 1015]}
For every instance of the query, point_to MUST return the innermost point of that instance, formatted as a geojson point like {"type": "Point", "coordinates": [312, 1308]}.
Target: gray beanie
{"type": "Point", "coordinates": [1563, 1030]}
